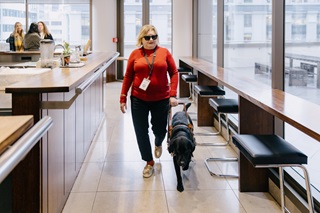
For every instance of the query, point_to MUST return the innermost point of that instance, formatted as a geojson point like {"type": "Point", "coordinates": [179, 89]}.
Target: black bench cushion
{"type": "Point", "coordinates": [209, 90]}
{"type": "Point", "coordinates": [184, 70]}
{"type": "Point", "coordinates": [224, 105]}
{"type": "Point", "coordinates": [268, 149]}
{"type": "Point", "coordinates": [189, 78]}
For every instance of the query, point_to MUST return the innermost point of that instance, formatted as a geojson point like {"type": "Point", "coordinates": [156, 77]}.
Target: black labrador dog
{"type": "Point", "coordinates": [181, 142]}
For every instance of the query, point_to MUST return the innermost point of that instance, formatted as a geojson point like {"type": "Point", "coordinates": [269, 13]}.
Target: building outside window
{"type": "Point", "coordinates": [247, 43]}
{"type": "Point", "coordinates": [66, 21]}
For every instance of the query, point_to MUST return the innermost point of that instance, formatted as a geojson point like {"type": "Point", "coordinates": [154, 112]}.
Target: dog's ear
{"type": "Point", "coordinates": [191, 145]}
{"type": "Point", "coordinates": [171, 146]}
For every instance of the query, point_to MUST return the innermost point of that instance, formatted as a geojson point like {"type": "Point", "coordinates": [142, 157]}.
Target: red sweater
{"type": "Point", "coordinates": [137, 69]}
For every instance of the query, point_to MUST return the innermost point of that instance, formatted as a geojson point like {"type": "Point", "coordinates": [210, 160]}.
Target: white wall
{"type": "Point", "coordinates": [104, 26]}
{"type": "Point", "coordinates": [182, 29]}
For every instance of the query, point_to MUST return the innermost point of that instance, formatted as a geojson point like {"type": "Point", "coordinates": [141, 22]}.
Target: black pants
{"type": "Point", "coordinates": [140, 116]}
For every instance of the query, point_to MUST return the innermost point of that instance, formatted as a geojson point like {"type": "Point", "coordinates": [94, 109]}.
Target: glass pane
{"type": "Point", "coordinates": [302, 55]}
{"type": "Point", "coordinates": [10, 14]}
{"type": "Point", "coordinates": [132, 23]}
{"type": "Point", "coordinates": [247, 40]}
{"type": "Point", "coordinates": [247, 35]}
{"type": "Point", "coordinates": [66, 22]}
{"type": "Point", "coordinates": [207, 30]}
{"type": "Point", "coordinates": [160, 17]}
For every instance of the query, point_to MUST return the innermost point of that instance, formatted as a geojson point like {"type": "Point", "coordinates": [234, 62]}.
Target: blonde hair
{"type": "Point", "coordinates": [143, 32]}
{"type": "Point", "coordinates": [15, 31]}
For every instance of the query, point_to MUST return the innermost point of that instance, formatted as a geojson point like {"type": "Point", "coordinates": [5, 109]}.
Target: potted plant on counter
{"type": "Point", "coordinates": [66, 53]}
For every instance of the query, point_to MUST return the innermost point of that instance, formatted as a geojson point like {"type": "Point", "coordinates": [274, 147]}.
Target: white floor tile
{"type": "Point", "coordinates": [111, 179]}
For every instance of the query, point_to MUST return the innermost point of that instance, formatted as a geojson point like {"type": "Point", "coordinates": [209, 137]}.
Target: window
{"type": "Point", "coordinates": [66, 21]}
{"type": "Point", "coordinates": [248, 41]}
{"type": "Point", "coordinates": [135, 14]}
{"type": "Point", "coordinates": [70, 19]}
{"type": "Point", "coordinates": [247, 20]}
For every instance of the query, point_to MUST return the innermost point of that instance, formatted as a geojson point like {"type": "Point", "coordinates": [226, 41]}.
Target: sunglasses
{"type": "Point", "coordinates": [147, 38]}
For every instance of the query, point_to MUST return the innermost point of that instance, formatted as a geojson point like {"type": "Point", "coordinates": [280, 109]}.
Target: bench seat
{"type": "Point", "coordinates": [268, 149]}
{"type": "Point", "coordinates": [272, 151]}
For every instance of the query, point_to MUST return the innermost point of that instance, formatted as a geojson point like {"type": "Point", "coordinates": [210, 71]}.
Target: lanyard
{"type": "Point", "coordinates": [153, 57]}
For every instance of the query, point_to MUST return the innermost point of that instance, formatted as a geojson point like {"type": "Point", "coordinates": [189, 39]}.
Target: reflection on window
{"type": "Point", "coordinates": [248, 31]}
{"type": "Point", "coordinates": [9, 17]}
{"type": "Point", "coordinates": [302, 52]}
{"type": "Point", "coordinates": [207, 30]}
{"type": "Point", "coordinates": [66, 22]}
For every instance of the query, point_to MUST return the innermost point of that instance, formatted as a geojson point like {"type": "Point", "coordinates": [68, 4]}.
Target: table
{"type": "Point", "coordinates": [259, 105]}
{"type": "Point", "coordinates": [307, 58]}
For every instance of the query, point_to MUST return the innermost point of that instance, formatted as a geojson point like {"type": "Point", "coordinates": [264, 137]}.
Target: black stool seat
{"type": "Point", "coordinates": [209, 90]}
{"type": "Point", "coordinates": [184, 70]}
{"type": "Point", "coordinates": [189, 78]}
{"type": "Point", "coordinates": [268, 149]}
{"type": "Point", "coordinates": [224, 105]}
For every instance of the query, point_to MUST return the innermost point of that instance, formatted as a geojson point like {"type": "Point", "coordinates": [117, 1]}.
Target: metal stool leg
{"type": "Point", "coordinates": [220, 174]}
{"type": "Point", "coordinates": [216, 133]}
{"type": "Point", "coordinates": [308, 189]}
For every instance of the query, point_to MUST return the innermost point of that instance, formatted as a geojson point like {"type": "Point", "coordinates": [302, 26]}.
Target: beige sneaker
{"type": "Point", "coordinates": [147, 171]}
{"type": "Point", "coordinates": [158, 151]}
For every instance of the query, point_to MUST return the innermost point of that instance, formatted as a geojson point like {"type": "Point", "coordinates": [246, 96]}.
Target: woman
{"type": "Point", "coordinates": [16, 38]}
{"type": "Point", "coordinates": [43, 31]}
{"type": "Point", "coordinates": [32, 38]}
{"type": "Point", "coordinates": [151, 92]}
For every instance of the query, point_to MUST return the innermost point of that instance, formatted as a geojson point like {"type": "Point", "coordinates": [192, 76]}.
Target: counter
{"type": "Point", "coordinates": [74, 98]}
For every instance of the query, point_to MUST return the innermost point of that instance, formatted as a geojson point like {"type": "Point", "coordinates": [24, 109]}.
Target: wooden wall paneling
{"type": "Point", "coordinates": [79, 137]}
{"type": "Point", "coordinates": [29, 168]}
{"type": "Point", "coordinates": [70, 143]}
{"type": "Point", "coordinates": [111, 72]}
{"type": "Point", "coordinates": [253, 120]}
{"type": "Point", "coordinates": [87, 118]}
{"type": "Point", "coordinates": [44, 162]}
{"type": "Point", "coordinates": [183, 87]}
{"type": "Point", "coordinates": [56, 156]}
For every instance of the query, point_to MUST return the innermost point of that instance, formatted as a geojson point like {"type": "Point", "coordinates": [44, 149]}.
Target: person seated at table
{"type": "Point", "coordinates": [32, 38]}
{"type": "Point", "coordinates": [16, 38]}
{"type": "Point", "coordinates": [43, 30]}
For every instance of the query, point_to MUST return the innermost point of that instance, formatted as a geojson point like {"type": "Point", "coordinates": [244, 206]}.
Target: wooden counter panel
{"type": "Point", "coordinates": [12, 128]}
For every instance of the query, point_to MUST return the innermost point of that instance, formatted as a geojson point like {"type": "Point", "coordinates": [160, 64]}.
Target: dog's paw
{"type": "Point", "coordinates": [180, 188]}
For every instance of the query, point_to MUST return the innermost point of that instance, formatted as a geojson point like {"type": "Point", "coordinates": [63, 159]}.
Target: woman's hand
{"type": "Point", "coordinates": [123, 107]}
{"type": "Point", "coordinates": [173, 102]}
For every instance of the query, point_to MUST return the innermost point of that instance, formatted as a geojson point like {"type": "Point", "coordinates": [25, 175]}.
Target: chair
{"type": "Point", "coordinates": [190, 79]}
{"type": "Point", "coordinates": [222, 106]}
{"type": "Point", "coordinates": [183, 86]}
{"type": "Point", "coordinates": [272, 151]}
{"type": "Point", "coordinates": [204, 111]}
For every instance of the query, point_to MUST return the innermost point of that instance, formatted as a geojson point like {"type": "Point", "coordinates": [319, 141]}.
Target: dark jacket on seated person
{"type": "Point", "coordinates": [32, 38]}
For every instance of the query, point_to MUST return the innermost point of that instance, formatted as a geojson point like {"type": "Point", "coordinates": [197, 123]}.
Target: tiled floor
{"type": "Point", "coordinates": [110, 179]}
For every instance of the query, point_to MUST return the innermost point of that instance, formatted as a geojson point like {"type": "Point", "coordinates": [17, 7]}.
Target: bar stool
{"type": "Point", "coordinates": [205, 111]}
{"type": "Point", "coordinates": [222, 106]}
{"type": "Point", "coordinates": [190, 79]}
{"type": "Point", "coordinates": [183, 86]}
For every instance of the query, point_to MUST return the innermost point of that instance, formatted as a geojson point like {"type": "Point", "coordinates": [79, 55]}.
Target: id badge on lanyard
{"type": "Point", "coordinates": [146, 81]}
{"type": "Point", "coordinates": [144, 84]}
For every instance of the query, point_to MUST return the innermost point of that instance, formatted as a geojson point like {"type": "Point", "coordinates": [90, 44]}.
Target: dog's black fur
{"type": "Point", "coordinates": [181, 143]}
